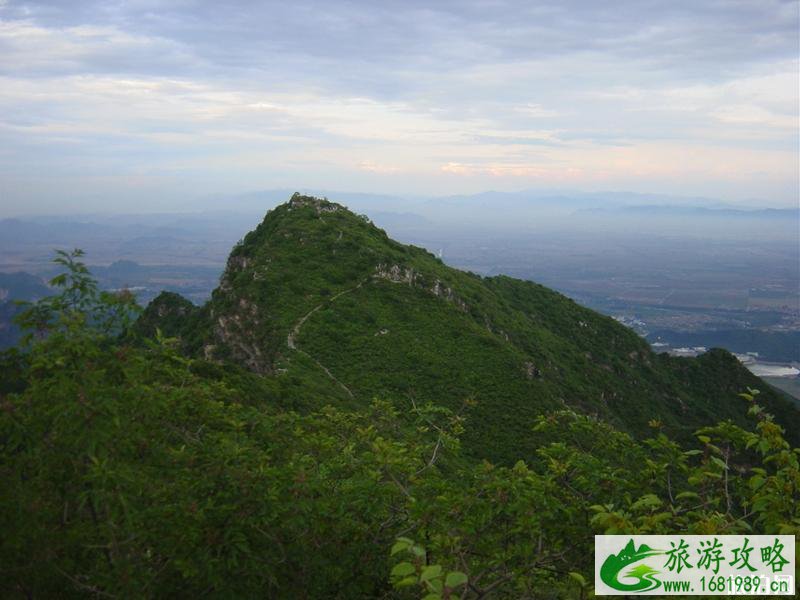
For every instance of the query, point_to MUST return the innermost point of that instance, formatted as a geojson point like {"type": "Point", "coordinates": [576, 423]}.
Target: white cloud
{"type": "Point", "coordinates": [494, 94]}
{"type": "Point", "coordinates": [537, 111]}
{"type": "Point", "coordinates": [30, 49]}
{"type": "Point", "coordinates": [748, 114]}
{"type": "Point", "coordinates": [373, 167]}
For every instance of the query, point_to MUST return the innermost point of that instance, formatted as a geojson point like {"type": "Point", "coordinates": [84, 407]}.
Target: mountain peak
{"type": "Point", "coordinates": [319, 295]}
{"type": "Point", "coordinates": [304, 252]}
{"type": "Point", "coordinates": [321, 205]}
{"type": "Point", "coordinates": [303, 218]}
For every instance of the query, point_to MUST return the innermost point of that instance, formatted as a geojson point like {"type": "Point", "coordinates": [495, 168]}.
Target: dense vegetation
{"type": "Point", "coordinates": [319, 296]}
{"type": "Point", "coordinates": [350, 418]}
{"type": "Point", "coordinates": [132, 471]}
{"type": "Point", "coordinates": [16, 287]}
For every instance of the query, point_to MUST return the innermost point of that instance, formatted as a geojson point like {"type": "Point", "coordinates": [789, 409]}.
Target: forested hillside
{"type": "Point", "coordinates": [350, 418]}
{"type": "Point", "coordinates": [320, 296]}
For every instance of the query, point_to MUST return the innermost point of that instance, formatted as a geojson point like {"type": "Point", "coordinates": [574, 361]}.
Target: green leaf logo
{"type": "Point", "coordinates": [642, 573]}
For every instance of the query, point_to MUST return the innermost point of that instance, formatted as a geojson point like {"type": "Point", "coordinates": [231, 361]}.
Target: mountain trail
{"type": "Point", "coordinates": [291, 339]}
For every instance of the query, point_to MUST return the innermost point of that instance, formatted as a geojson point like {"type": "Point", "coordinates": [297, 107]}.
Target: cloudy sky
{"type": "Point", "coordinates": [147, 104]}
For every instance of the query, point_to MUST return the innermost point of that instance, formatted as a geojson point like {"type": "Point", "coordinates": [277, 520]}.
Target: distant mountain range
{"type": "Point", "coordinates": [570, 200]}
{"type": "Point", "coordinates": [699, 211]}
{"type": "Point", "coordinates": [519, 211]}
{"type": "Point", "coordinates": [224, 218]}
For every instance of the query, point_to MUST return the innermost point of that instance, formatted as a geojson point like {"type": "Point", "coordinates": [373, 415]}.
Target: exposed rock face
{"type": "Point", "coordinates": [235, 265]}
{"type": "Point", "coordinates": [445, 292]}
{"type": "Point", "coordinates": [236, 331]}
{"type": "Point", "coordinates": [235, 327]}
{"type": "Point", "coordinates": [321, 205]}
{"type": "Point", "coordinates": [400, 274]}
{"type": "Point", "coordinates": [532, 371]}
{"type": "Point", "coordinates": [440, 290]}
{"type": "Point", "coordinates": [396, 274]}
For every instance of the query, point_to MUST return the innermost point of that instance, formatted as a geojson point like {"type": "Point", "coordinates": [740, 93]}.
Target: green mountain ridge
{"type": "Point", "coordinates": [318, 430]}
{"type": "Point", "coordinates": [325, 308]}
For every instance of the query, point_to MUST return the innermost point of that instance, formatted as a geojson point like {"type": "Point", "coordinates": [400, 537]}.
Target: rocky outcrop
{"type": "Point", "coordinates": [396, 273]}
{"type": "Point", "coordinates": [321, 205]}
{"type": "Point", "coordinates": [440, 290]}
{"type": "Point", "coordinates": [236, 332]}
{"type": "Point", "coordinates": [532, 371]}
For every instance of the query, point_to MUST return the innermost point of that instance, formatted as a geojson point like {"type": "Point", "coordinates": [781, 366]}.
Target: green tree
{"type": "Point", "coordinates": [130, 470]}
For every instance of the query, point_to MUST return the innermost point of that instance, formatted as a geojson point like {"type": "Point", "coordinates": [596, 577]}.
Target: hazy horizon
{"type": "Point", "coordinates": [246, 202]}
{"type": "Point", "coordinates": [136, 106]}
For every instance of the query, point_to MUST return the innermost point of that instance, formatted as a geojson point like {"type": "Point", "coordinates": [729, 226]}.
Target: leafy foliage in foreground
{"type": "Point", "coordinates": [132, 471]}
{"type": "Point", "coordinates": [13, 288]}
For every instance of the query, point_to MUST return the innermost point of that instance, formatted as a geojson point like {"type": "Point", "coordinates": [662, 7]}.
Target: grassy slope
{"type": "Point", "coordinates": [432, 333]}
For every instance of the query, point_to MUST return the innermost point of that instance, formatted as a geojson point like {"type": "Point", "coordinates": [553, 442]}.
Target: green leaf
{"type": "Point", "coordinates": [578, 577]}
{"type": "Point", "coordinates": [455, 579]}
{"type": "Point", "coordinates": [408, 541]}
{"type": "Point", "coordinates": [687, 496]}
{"type": "Point", "coordinates": [646, 502]}
{"type": "Point", "coordinates": [400, 546]}
{"type": "Point", "coordinates": [435, 585]}
{"type": "Point", "coordinates": [430, 572]}
{"type": "Point", "coordinates": [720, 463]}
{"type": "Point", "coordinates": [406, 582]}
{"type": "Point", "coordinates": [402, 569]}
